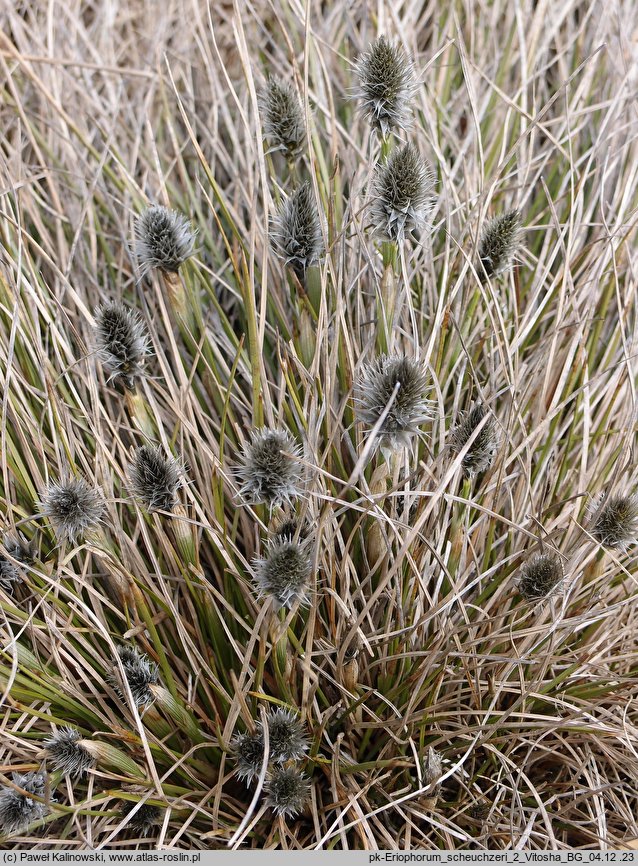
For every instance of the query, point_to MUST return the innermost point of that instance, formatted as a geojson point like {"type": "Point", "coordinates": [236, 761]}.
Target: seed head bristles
{"type": "Point", "coordinates": [164, 240]}
{"type": "Point", "coordinates": [121, 343]}
{"type": "Point", "coordinates": [18, 548]}
{"type": "Point", "coordinates": [9, 573]}
{"type": "Point", "coordinates": [296, 231]}
{"type": "Point", "coordinates": [155, 478]}
{"type": "Point", "coordinates": [397, 382]}
{"type": "Point", "coordinates": [614, 520]}
{"type": "Point", "coordinates": [270, 471]}
{"type": "Point", "coordinates": [283, 116]}
{"type": "Point", "coordinates": [386, 83]}
{"type": "Point", "coordinates": [249, 755]}
{"type": "Point", "coordinates": [67, 753]}
{"type": "Point", "coordinates": [145, 819]}
{"type": "Point", "coordinates": [72, 507]}
{"type": "Point", "coordinates": [481, 452]}
{"type": "Point", "coordinates": [287, 791]}
{"type": "Point", "coordinates": [140, 672]}
{"type": "Point", "coordinates": [403, 194]}
{"type": "Point", "coordinates": [287, 736]}
{"type": "Point", "coordinates": [19, 810]}
{"type": "Point", "coordinates": [499, 241]}
{"type": "Point", "coordinates": [284, 573]}
{"type": "Point", "coordinates": [540, 575]}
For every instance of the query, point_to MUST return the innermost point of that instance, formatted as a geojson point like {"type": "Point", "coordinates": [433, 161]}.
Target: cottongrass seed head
{"type": "Point", "coordinates": [403, 190]}
{"type": "Point", "coordinates": [67, 752]}
{"type": "Point", "coordinates": [481, 452]}
{"type": "Point", "coordinates": [18, 548]}
{"type": "Point", "coordinates": [283, 116]}
{"type": "Point", "coordinates": [270, 471]}
{"type": "Point", "coordinates": [296, 232]}
{"type": "Point", "coordinates": [400, 383]}
{"type": "Point", "coordinates": [249, 755]}
{"type": "Point", "coordinates": [540, 575]}
{"type": "Point", "coordinates": [72, 507]}
{"type": "Point", "coordinates": [287, 791]}
{"type": "Point", "coordinates": [121, 343]}
{"type": "Point", "coordinates": [144, 821]}
{"type": "Point", "coordinates": [614, 520]}
{"type": "Point", "coordinates": [19, 810]}
{"type": "Point", "coordinates": [286, 736]}
{"type": "Point", "coordinates": [499, 241]}
{"type": "Point", "coordinates": [155, 478]}
{"type": "Point", "coordinates": [283, 574]}
{"type": "Point", "coordinates": [385, 85]}
{"type": "Point", "coordinates": [164, 239]}
{"type": "Point", "coordinates": [141, 673]}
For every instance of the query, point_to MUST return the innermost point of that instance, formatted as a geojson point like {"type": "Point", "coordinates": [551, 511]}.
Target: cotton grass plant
{"type": "Point", "coordinates": [439, 684]}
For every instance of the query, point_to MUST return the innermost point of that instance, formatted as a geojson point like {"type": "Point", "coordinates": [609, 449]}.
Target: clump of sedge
{"type": "Point", "coordinates": [386, 85]}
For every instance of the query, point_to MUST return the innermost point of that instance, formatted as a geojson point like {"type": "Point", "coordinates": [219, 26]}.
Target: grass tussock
{"type": "Point", "coordinates": [318, 477]}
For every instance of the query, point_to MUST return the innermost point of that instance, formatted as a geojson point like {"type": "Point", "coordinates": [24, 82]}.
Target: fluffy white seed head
{"type": "Point", "coordinates": [386, 83]}
{"type": "Point", "coordinates": [164, 239]}
{"type": "Point", "coordinates": [393, 387]}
